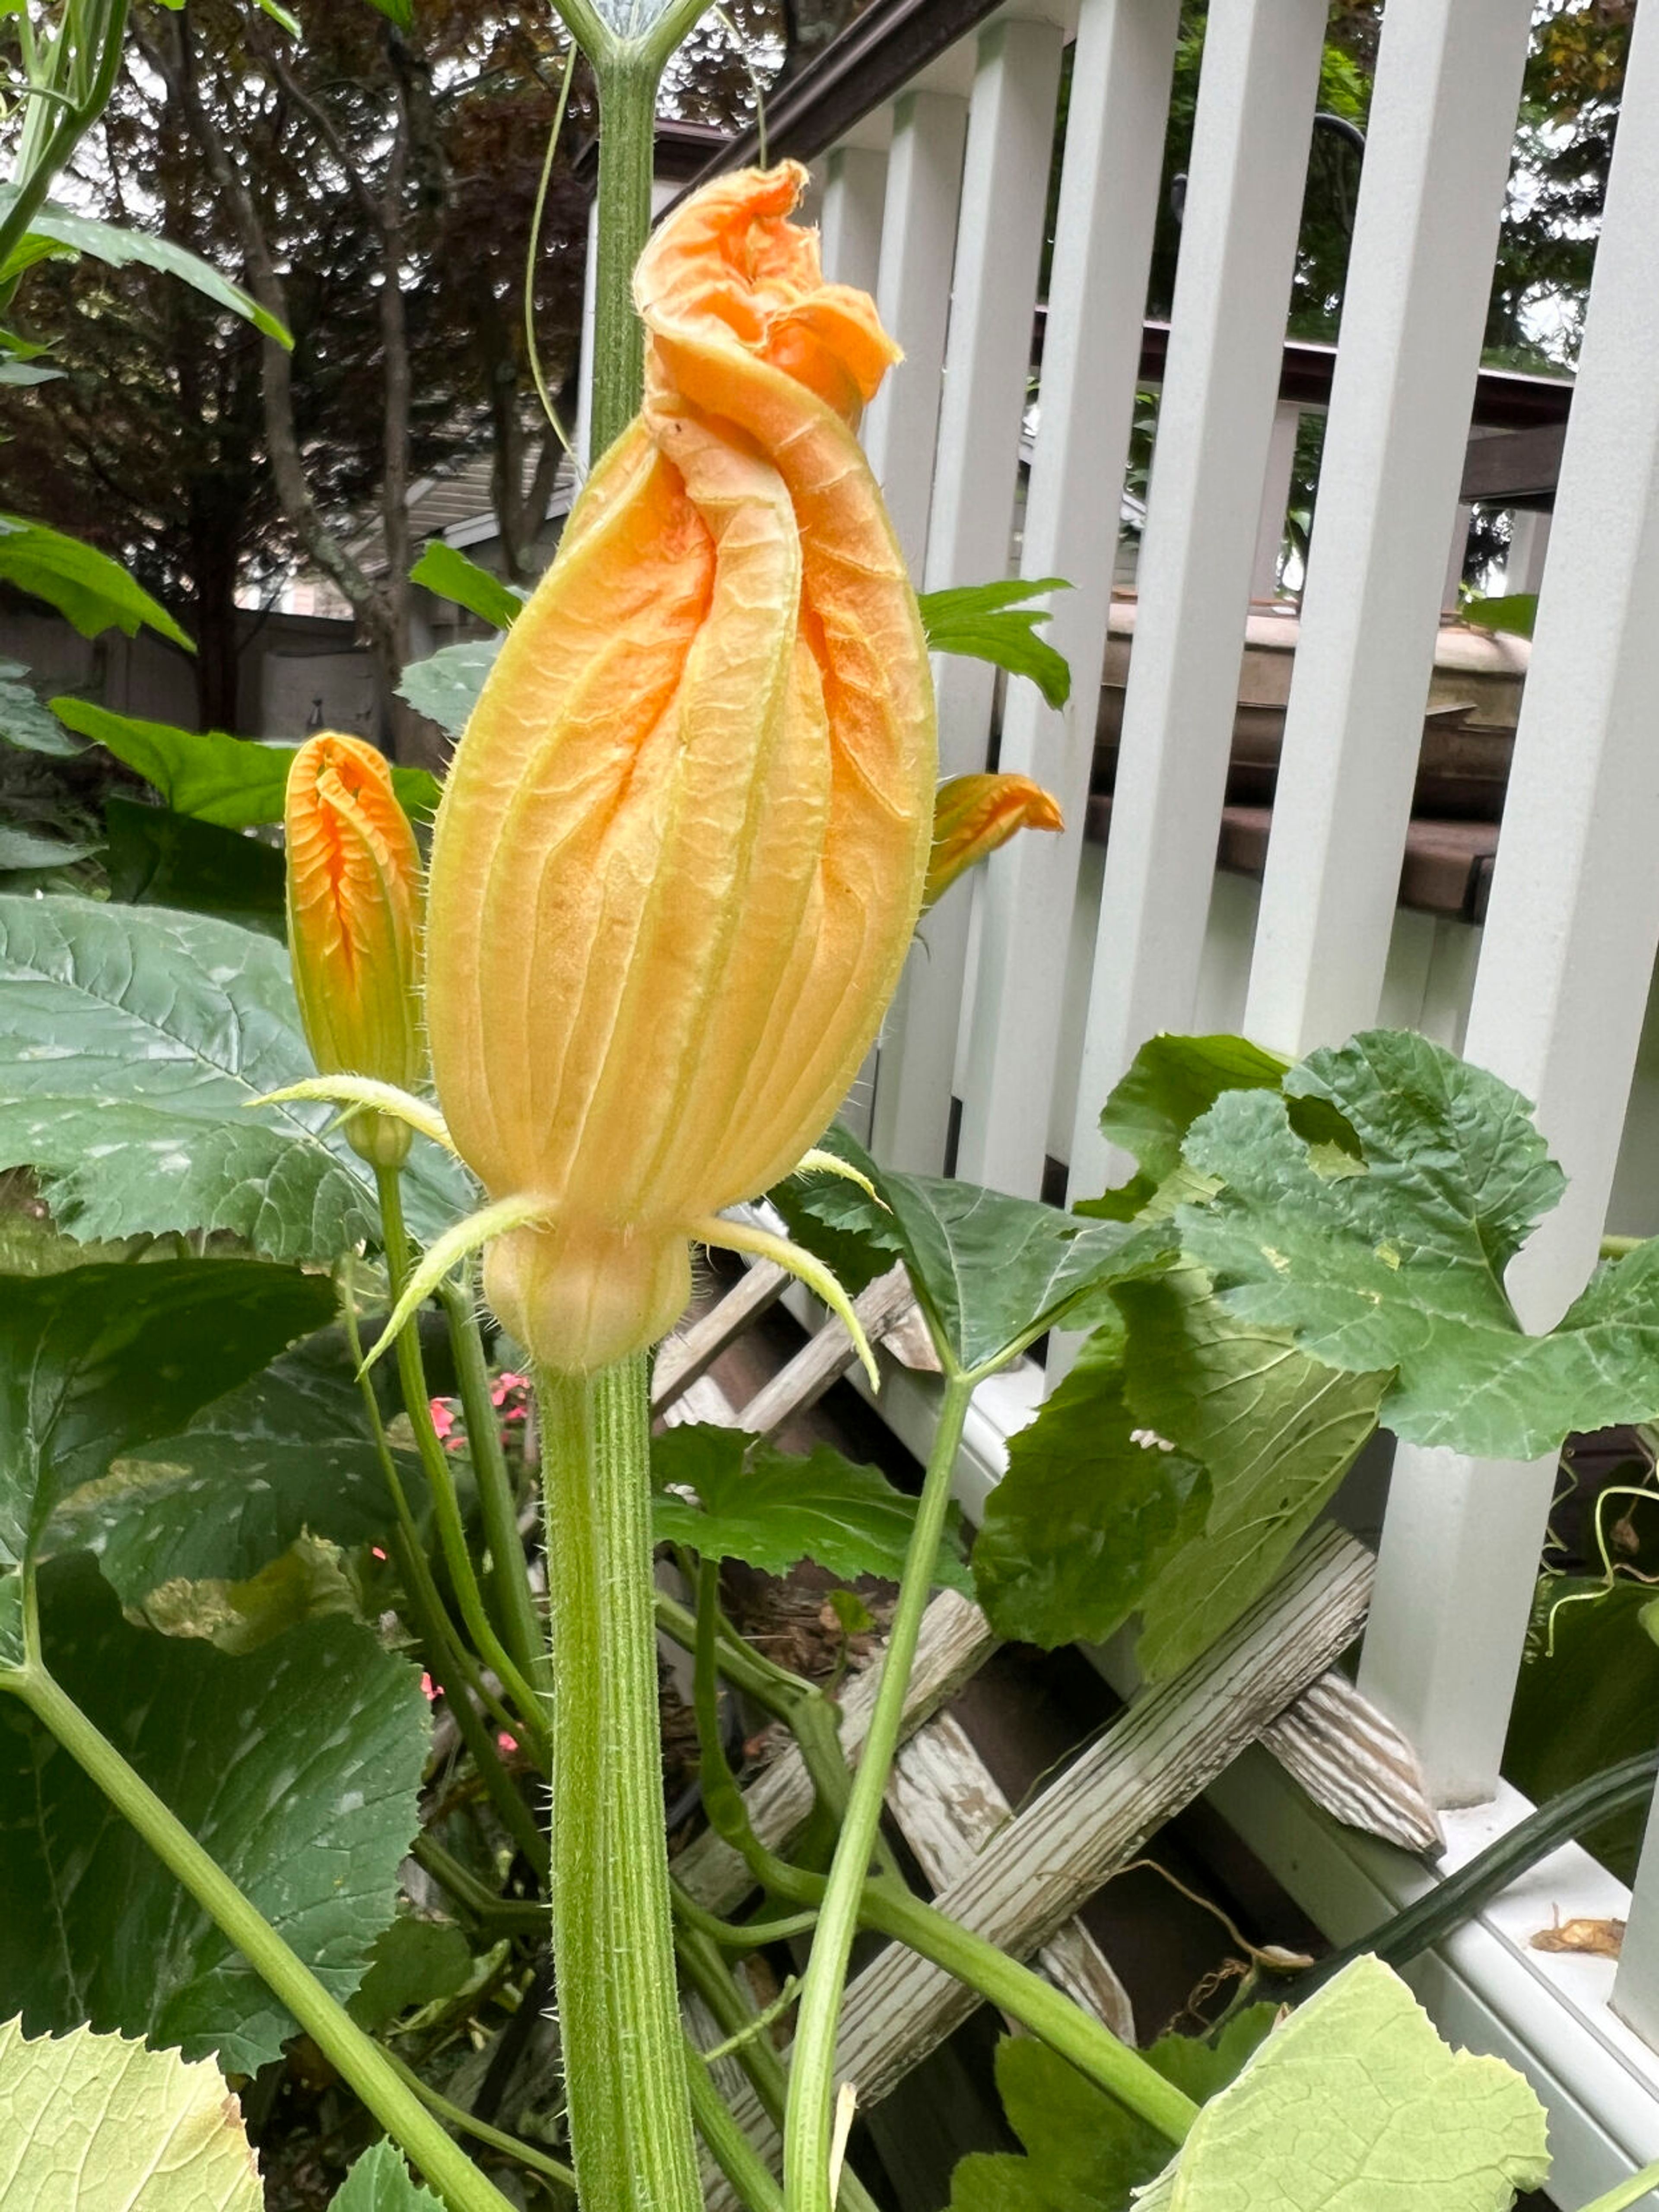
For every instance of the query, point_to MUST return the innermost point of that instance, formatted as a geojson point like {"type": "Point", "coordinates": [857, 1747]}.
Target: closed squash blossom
{"type": "Point", "coordinates": [354, 926]}
{"type": "Point", "coordinates": [684, 843]}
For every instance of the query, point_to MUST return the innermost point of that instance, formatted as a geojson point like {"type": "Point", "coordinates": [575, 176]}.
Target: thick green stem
{"type": "Point", "coordinates": [441, 1480]}
{"type": "Point", "coordinates": [628, 81]}
{"type": "Point", "coordinates": [500, 1507]}
{"type": "Point", "coordinates": [809, 2126]}
{"type": "Point", "coordinates": [630, 2120]}
{"type": "Point", "coordinates": [358, 2056]}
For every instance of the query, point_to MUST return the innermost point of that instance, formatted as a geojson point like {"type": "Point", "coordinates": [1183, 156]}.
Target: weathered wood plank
{"type": "Point", "coordinates": [824, 1357]}
{"type": "Point", "coordinates": [948, 1805]}
{"type": "Point", "coordinates": [1168, 1745]}
{"type": "Point", "coordinates": [682, 1359]}
{"type": "Point", "coordinates": [1355, 1764]}
{"type": "Point", "coordinates": [956, 1639]}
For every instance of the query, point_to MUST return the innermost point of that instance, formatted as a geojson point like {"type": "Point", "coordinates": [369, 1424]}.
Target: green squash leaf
{"type": "Point", "coordinates": [989, 621]}
{"type": "Point", "coordinates": [155, 857]}
{"type": "Point", "coordinates": [98, 1359]}
{"type": "Point", "coordinates": [134, 1038]}
{"type": "Point", "coordinates": [28, 848]}
{"type": "Point", "coordinates": [414, 1962]}
{"type": "Point", "coordinates": [1356, 2101]}
{"type": "Point", "coordinates": [238, 783]}
{"type": "Point", "coordinates": [452, 576]}
{"type": "Point", "coordinates": [117, 247]}
{"type": "Point", "coordinates": [1396, 1259]}
{"type": "Point", "coordinates": [1172, 1081]}
{"type": "Point", "coordinates": [1088, 1514]}
{"type": "Point", "coordinates": [1084, 2151]}
{"type": "Point", "coordinates": [445, 686]}
{"type": "Point", "coordinates": [1275, 1432]}
{"type": "Point", "coordinates": [855, 1236]}
{"type": "Point", "coordinates": [92, 591]}
{"type": "Point", "coordinates": [289, 1453]}
{"type": "Point", "coordinates": [27, 721]}
{"type": "Point", "coordinates": [90, 2122]}
{"type": "Point", "coordinates": [298, 1771]}
{"type": "Point", "coordinates": [774, 1508]}
{"type": "Point", "coordinates": [380, 2181]}
{"type": "Point", "coordinates": [1514, 612]}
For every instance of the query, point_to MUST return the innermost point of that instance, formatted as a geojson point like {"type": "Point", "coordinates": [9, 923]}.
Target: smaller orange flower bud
{"type": "Point", "coordinates": [354, 927]}
{"type": "Point", "coordinates": [975, 814]}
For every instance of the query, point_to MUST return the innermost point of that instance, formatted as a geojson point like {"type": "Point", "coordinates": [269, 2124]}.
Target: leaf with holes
{"type": "Point", "coordinates": [91, 2121]}
{"type": "Point", "coordinates": [238, 783]}
{"type": "Point", "coordinates": [774, 1508]}
{"type": "Point", "coordinates": [1274, 1431]}
{"type": "Point", "coordinates": [134, 1040]}
{"type": "Point", "coordinates": [99, 1360]}
{"type": "Point", "coordinates": [1356, 2101]}
{"type": "Point", "coordinates": [1084, 2152]}
{"type": "Point", "coordinates": [1088, 1514]}
{"type": "Point", "coordinates": [1394, 1256]}
{"type": "Point", "coordinates": [297, 1771]}
{"type": "Point", "coordinates": [287, 1454]}
{"type": "Point", "coordinates": [1172, 1081]}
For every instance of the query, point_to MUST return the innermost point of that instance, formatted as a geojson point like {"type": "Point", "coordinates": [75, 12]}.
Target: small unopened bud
{"type": "Point", "coordinates": [975, 814]}
{"type": "Point", "coordinates": [354, 927]}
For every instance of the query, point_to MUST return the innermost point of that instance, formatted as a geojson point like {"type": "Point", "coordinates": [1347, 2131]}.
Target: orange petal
{"type": "Point", "coordinates": [353, 908]}
{"type": "Point", "coordinates": [681, 848]}
{"type": "Point", "coordinates": [975, 814]}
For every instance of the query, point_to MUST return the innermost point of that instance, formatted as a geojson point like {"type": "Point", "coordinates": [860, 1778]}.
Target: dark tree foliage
{"type": "Point", "coordinates": [354, 151]}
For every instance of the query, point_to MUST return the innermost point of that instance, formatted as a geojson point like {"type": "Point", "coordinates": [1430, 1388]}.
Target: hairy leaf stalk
{"type": "Point", "coordinates": [630, 2121]}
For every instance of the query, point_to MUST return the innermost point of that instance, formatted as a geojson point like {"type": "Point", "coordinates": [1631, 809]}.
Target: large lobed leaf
{"type": "Point", "coordinates": [134, 1039]}
{"type": "Point", "coordinates": [1357, 2102]}
{"type": "Point", "coordinates": [1084, 2152]}
{"type": "Point", "coordinates": [26, 722]}
{"type": "Point", "coordinates": [287, 1454]}
{"type": "Point", "coordinates": [1392, 1253]}
{"type": "Point", "coordinates": [153, 857]}
{"type": "Point", "coordinates": [238, 783]}
{"type": "Point", "coordinates": [98, 1359]}
{"type": "Point", "coordinates": [90, 2123]}
{"type": "Point", "coordinates": [380, 2181]}
{"type": "Point", "coordinates": [1172, 1081]}
{"type": "Point", "coordinates": [990, 1273]}
{"type": "Point", "coordinates": [1087, 1514]}
{"type": "Point", "coordinates": [297, 1771]}
{"type": "Point", "coordinates": [773, 1508]}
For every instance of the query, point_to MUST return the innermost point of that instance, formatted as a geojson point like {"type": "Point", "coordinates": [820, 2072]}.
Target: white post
{"type": "Point", "coordinates": [1010, 129]}
{"type": "Point", "coordinates": [1529, 542]}
{"type": "Point", "coordinates": [1462, 521]}
{"type": "Point", "coordinates": [1565, 965]}
{"type": "Point", "coordinates": [1092, 357]}
{"type": "Point", "coordinates": [913, 291]}
{"type": "Point", "coordinates": [1216, 423]}
{"type": "Point", "coordinates": [854, 195]}
{"type": "Point", "coordinates": [1437, 163]}
{"type": "Point", "coordinates": [1275, 500]}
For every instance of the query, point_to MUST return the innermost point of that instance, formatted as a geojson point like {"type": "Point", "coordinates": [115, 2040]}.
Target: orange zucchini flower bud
{"type": "Point", "coordinates": [682, 847]}
{"type": "Point", "coordinates": [354, 924]}
{"type": "Point", "coordinates": [975, 814]}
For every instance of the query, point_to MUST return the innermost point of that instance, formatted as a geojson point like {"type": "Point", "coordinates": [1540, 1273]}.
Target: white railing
{"type": "Point", "coordinates": [1031, 1000]}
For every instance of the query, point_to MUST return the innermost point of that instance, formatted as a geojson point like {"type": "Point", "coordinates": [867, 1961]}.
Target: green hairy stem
{"type": "Point", "coordinates": [359, 2058]}
{"type": "Point", "coordinates": [630, 2118]}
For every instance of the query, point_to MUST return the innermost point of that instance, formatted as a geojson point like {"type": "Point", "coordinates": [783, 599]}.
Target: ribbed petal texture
{"type": "Point", "coordinates": [682, 845]}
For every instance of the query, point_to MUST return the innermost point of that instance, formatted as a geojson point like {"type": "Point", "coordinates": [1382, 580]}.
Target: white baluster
{"type": "Point", "coordinates": [854, 197]}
